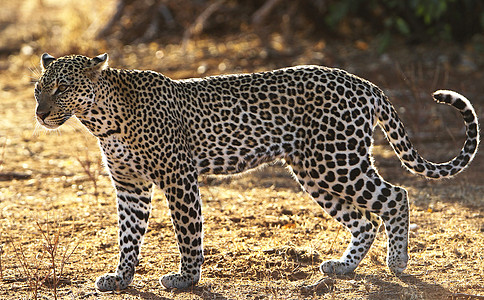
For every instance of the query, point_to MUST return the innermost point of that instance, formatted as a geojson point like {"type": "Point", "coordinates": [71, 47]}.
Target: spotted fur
{"type": "Point", "coordinates": [318, 121]}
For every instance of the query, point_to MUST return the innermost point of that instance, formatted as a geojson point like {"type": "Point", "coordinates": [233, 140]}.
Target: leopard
{"type": "Point", "coordinates": [316, 121]}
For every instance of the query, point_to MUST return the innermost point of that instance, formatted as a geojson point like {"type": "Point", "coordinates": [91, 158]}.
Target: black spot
{"type": "Point", "coordinates": [376, 206]}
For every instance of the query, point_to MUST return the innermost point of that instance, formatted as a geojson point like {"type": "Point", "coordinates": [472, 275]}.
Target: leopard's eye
{"type": "Point", "coordinates": [61, 88]}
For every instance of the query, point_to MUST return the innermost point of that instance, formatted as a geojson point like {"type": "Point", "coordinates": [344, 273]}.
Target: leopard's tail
{"type": "Point", "coordinates": [398, 138]}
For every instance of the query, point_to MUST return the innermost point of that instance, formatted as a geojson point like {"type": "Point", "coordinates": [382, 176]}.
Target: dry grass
{"type": "Point", "coordinates": [264, 238]}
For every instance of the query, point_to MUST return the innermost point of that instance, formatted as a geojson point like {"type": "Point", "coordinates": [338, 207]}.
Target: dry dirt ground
{"type": "Point", "coordinates": [264, 238]}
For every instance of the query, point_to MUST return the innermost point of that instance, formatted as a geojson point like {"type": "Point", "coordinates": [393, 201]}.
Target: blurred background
{"type": "Point", "coordinates": [172, 35]}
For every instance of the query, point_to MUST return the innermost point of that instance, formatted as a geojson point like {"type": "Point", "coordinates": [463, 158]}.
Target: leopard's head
{"type": "Point", "coordinates": [67, 87]}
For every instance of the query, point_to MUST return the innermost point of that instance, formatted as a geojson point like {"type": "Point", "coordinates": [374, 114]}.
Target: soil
{"type": "Point", "coordinates": [264, 237]}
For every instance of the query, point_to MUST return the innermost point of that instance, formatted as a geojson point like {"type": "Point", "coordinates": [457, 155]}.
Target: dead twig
{"type": "Point", "coordinates": [200, 22]}
{"type": "Point", "coordinates": [334, 240]}
{"type": "Point", "coordinates": [91, 171]}
{"type": "Point", "coordinates": [52, 246]}
{"type": "Point", "coordinates": [7, 176]}
{"type": "Point", "coordinates": [34, 279]}
{"type": "Point", "coordinates": [1, 268]}
{"type": "Point", "coordinates": [323, 285]}
{"type": "Point", "coordinates": [66, 257]}
{"type": "Point", "coordinates": [2, 153]}
{"type": "Point", "coordinates": [120, 8]}
{"type": "Point", "coordinates": [159, 11]}
{"type": "Point", "coordinates": [261, 14]}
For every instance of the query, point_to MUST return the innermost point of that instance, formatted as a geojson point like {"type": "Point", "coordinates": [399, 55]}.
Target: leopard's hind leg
{"type": "Point", "coordinates": [361, 191]}
{"type": "Point", "coordinates": [362, 224]}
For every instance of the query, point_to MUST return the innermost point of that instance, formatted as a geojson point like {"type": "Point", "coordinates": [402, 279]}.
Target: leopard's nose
{"type": "Point", "coordinates": [42, 115]}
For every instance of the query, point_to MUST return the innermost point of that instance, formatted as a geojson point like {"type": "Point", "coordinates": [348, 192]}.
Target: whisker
{"type": "Point", "coordinates": [79, 127]}
{"type": "Point", "coordinates": [75, 125]}
{"type": "Point", "coordinates": [35, 72]}
{"type": "Point", "coordinates": [38, 129]}
{"type": "Point", "coordinates": [35, 67]}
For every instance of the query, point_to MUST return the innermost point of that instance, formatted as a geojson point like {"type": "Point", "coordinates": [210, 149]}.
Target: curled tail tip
{"type": "Point", "coordinates": [456, 165]}
{"type": "Point", "coordinates": [445, 96]}
{"type": "Point", "coordinates": [452, 98]}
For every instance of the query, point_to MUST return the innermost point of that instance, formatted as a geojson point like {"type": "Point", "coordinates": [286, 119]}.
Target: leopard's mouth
{"type": "Point", "coordinates": [53, 123]}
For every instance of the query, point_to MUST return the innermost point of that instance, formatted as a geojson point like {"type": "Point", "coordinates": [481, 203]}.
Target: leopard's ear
{"type": "Point", "coordinates": [99, 62]}
{"type": "Point", "coordinates": [45, 60]}
{"type": "Point", "coordinates": [96, 65]}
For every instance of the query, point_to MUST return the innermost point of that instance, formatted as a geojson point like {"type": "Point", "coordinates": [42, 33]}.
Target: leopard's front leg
{"type": "Point", "coordinates": [134, 206]}
{"type": "Point", "coordinates": [184, 202]}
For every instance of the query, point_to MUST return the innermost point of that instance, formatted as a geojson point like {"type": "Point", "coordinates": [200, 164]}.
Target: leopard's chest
{"type": "Point", "coordinates": [124, 156]}
{"type": "Point", "coordinates": [119, 155]}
